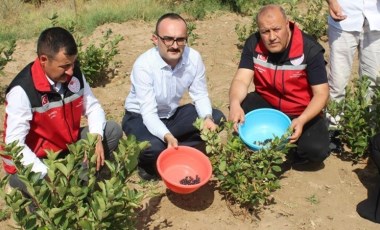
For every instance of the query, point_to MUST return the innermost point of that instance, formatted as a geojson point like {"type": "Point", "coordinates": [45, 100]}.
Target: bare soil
{"type": "Point", "coordinates": [321, 199]}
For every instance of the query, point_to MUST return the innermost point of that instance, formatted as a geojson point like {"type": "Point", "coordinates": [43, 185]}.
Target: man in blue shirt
{"type": "Point", "coordinates": [160, 77]}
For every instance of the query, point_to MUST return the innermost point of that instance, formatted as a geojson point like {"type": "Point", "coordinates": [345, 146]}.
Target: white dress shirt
{"type": "Point", "coordinates": [157, 88]}
{"type": "Point", "coordinates": [356, 11]}
{"type": "Point", "coordinates": [19, 114]}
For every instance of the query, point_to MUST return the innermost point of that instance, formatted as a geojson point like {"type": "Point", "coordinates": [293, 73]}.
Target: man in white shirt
{"type": "Point", "coordinates": [45, 103]}
{"type": "Point", "coordinates": [160, 77]}
{"type": "Point", "coordinates": [353, 26]}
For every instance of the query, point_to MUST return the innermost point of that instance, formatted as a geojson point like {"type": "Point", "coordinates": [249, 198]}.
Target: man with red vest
{"type": "Point", "coordinates": [45, 103]}
{"type": "Point", "coordinates": [288, 71]}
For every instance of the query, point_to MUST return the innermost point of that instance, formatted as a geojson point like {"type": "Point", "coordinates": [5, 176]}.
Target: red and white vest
{"type": "Point", "coordinates": [56, 120]}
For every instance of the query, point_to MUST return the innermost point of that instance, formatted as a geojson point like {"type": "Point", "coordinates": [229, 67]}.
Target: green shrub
{"type": "Point", "coordinates": [243, 32]}
{"type": "Point", "coordinates": [359, 117]}
{"type": "Point", "coordinates": [192, 36]}
{"type": "Point", "coordinates": [66, 200]}
{"type": "Point", "coordinates": [4, 214]}
{"type": "Point", "coordinates": [197, 9]}
{"type": "Point", "coordinates": [6, 51]}
{"type": "Point", "coordinates": [96, 61]}
{"type": "Point", "coordinates": [314, 21]}
{"type": "Point", "coordinates": [246, 177]}
{"type": "Point", "coordinates": [249, 7]}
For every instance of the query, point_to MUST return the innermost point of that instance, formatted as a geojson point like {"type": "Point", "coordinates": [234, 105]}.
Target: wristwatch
{"type": "Point", "coordinates": [209, 116]}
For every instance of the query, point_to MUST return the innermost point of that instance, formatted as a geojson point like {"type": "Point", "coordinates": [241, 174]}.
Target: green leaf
{"type": "Point", "coordinates": [62, 168]}
{"type": "Point", "coordinates": [82, 211]}
{"type": "Point", "coordinates": [276, 168]}
{"type": "Point", "coordinates": [31, 223]}
{"type": "Point", "coordinates": [222, 166]}
{"type": "Point", "coordinates": [76, 191]}
{"type": "Point", "coordinates": [85, 224]}
{"type": "Point", "coordinates": [54, 211]}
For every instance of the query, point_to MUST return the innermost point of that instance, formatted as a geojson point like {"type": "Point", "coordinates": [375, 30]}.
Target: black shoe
{"type": "Point", "coordinates": [300, 160]}
{"type": "Point", "coordinates": [304, 164]}
{"type": "Point", "coordinates": [335, 143]}
{"type": "Point", "coordinates": [145, 175]}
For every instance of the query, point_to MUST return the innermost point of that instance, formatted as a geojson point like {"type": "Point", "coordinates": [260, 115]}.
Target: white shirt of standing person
{"type": "Point", "coordinates": [356, 11]}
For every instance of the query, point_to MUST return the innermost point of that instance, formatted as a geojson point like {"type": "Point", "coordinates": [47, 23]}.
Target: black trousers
{"type": "Point", "coordinates": [370, 207]}
{"type": "Point", "coordinates": [180, 125]}
{"type": "Point", "coordinates": [314, 141]}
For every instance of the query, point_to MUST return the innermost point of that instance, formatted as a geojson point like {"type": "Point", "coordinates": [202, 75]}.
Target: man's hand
{"type": "Point", "coordinates": [336, 11]}
{"type": "Point", "coordinates": [236, 115]}
{"type": "Point", "coordinates": [99, 151]}
{"type": "Point", "coordinates": [209, 124]}
{"type": "Point", "coordinates": [297, 127]}
{"type": "Point", "coordinates": [171, 140]}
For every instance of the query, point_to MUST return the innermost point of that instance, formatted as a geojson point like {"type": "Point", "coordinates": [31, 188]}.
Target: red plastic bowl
{"type": "Point", "coordinates": [173, 165]}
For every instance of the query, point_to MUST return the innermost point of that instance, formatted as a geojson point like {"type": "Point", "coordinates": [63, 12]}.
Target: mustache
{"type": "Point", "coordinates": [173, 50]}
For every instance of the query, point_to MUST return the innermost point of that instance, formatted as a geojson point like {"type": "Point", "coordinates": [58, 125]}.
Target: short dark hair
{"type": "Point", "coordinates": [173, 16]}
{"type": "Point", "coordinates": [53, 39]}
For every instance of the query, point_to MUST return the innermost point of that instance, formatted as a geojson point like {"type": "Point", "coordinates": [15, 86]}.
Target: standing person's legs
{"type": "Point", "coordinates": [343, 46]}
{"type": "Point", "coordinates": [132, 124]}
{"type": "Point", "coordinates": [369, 56]}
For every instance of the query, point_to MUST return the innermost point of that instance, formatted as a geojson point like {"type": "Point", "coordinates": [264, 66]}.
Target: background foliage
{"type": "Point", "coordinates": [359, 118]}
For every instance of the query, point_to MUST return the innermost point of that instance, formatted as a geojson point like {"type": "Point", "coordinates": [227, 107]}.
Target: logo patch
{"type": "Point", "coordinates": [297, 61]}
{"type": "Point", "coordinates": [44, 100]}
{"type": "Point", "coordinates": [262, 57]}
{"type": "Point", "coordinates": [74, 85]}
{"type": "Point", "coordinates": [52, 115]}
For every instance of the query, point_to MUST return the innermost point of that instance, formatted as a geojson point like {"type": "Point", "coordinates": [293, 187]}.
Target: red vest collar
{"type": "Point", "coordinates": [39, 77]}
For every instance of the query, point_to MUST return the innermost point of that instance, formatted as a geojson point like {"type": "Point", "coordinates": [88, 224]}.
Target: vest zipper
{"type": "Point", "coordinates": [283, 84]}
{"type": "Point", "coordinates": [274, 86]}
{"type": "Point", "coordinates": [64, 113]}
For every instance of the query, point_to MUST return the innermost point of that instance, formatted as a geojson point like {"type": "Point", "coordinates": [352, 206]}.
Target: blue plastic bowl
{"type": "Point", "coordinates": [261, 125]}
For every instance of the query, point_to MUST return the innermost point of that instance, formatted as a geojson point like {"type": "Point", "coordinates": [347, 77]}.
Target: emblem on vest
{"type": "Point", "coordinates": [262, 57]}
{"type": "Point", "coordinates": [44, 100]}
{"type": "Point", "coordinates": [297, 61]}
{"type": "Point", "coordinates": [74, 85]}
